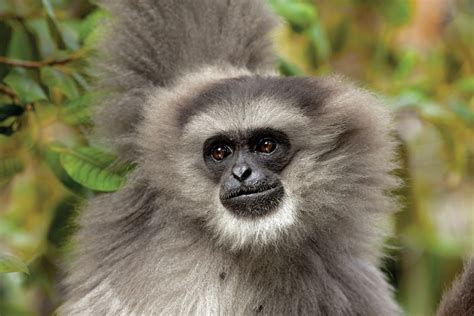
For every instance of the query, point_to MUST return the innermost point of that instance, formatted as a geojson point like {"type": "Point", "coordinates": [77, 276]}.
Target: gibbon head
{"type": "Point", "coordinates": [267, 161]}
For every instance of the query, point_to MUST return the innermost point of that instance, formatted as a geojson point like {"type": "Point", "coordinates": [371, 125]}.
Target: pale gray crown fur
{"type": "Point", "coordinates": [179, 72]}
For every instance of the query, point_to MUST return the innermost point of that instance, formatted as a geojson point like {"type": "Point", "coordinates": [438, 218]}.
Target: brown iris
{"type": "Point", "coordinates": [219, 152]}
{"type": "Point", "coordinates": [266, 146]}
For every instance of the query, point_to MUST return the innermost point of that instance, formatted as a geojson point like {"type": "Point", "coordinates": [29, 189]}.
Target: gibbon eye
{"type": "Point", "coordinates": [220, 152]}
{"type": "Point", "coordinates": [266, 146]}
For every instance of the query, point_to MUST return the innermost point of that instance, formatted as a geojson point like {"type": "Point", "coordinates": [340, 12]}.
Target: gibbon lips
{"type": "Point", "coordinates": [253, 202]}
{"type": "Point", "coordinates": [248, 191]}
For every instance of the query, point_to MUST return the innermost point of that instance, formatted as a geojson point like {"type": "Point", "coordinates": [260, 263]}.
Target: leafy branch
{"type": "Point", "coordinates": [36, 64]}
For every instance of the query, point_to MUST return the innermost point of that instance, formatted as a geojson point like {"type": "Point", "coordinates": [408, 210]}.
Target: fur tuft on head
{"type": "Point", "coordinates": [152, 43]}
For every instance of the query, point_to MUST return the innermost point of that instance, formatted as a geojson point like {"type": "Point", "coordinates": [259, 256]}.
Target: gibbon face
{"type": "Point", "coordinates": [261, 161]}
{"type": "Point", "coordinates": [246, 165]}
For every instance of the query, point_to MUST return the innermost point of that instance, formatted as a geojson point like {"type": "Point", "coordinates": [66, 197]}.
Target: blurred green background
{"type": "Point", "coordinates": [417, 54]}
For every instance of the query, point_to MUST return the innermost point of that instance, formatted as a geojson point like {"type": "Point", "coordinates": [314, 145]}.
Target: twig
{"type": "Point", "coordinates": [35, 64]}
{"type": "Point", "coordinates": [5, 90]}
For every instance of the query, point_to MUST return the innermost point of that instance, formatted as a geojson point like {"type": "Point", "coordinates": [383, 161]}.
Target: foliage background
{"type": "Point", "coordinates": [417, 54]}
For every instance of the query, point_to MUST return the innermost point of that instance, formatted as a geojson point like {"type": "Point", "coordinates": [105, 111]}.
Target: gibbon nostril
{"type": "Point", "coordinates": [241, 172]}
{"type": "Point", "coordinates": [246, 174]}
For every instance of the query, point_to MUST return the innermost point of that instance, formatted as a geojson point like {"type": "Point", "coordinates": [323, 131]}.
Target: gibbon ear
{"type": "Point", "coordinates": [356, 121]}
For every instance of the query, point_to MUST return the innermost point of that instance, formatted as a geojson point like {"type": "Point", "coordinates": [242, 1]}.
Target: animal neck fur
{"type": "Point", "coordinates": [185, 274]}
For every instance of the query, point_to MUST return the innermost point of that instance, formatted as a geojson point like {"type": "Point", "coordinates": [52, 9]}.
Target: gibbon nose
{"type": "Point", "coordinates": [241, 172]}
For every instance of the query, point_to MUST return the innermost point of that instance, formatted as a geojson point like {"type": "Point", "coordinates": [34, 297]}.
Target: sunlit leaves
{"type": "Point", "coordinates": [45, 110]}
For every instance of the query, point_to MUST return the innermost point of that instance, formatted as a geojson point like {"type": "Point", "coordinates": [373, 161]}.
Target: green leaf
{"type": "Point", "coordinates": [288, 69]}
{"type": "Point", "coordinates": [22, 82]}
{"type": "Point", "coordinates": [9, 263]}
{"type": "Point", "coordinates": [298, 14]}
{"type": "Point", "coordinates": [77, 111]}
{"type": "Point", "coordinates": [93, 168]}
{"type": "Point", "coordinates": [81, 81]}
{"type": "Point", "coordinates": [51, 154]}
{"type": "Point", "coordinates": [40, 29]}
{"type": "Point", "coordinates": [56, 79]}
{"type": "Point", "coordinates": [10, 166]}
{"type": "Point", "coordinates": [91, 23]}
{"type": "Point", "coordinates": [20, 44]}
{"type": "Point", "coordinates": [49, 8]}
{"type": "Point", "coordinates": [63, 223]}
{"type": "Point", "coordinates": [70, 34]}
{"type": "Point", "coordinates": [319, 41]}
{"type": "Point", "coordinates": [9, 110]}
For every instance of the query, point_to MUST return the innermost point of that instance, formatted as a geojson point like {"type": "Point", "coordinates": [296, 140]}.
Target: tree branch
{"type": "Point", "coordinates": [5, 90]}
{"type": "Point", "coordinates": [35, 64]}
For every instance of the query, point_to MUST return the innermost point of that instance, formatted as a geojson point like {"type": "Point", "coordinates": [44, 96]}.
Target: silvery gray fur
{"type": "Point", "coordinates": [459, 298]}
{"type": "Point", "coordinates": [178, 72]}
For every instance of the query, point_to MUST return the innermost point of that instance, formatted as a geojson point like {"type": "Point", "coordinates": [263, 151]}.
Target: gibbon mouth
{"type": "Point", "coordinates": [253, 202]}
{"type": "Point", "coordinates": [249, 191]}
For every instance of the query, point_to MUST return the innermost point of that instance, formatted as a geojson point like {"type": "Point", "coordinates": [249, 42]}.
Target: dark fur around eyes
{"type": "Point", "coordinates": [247, 140]}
